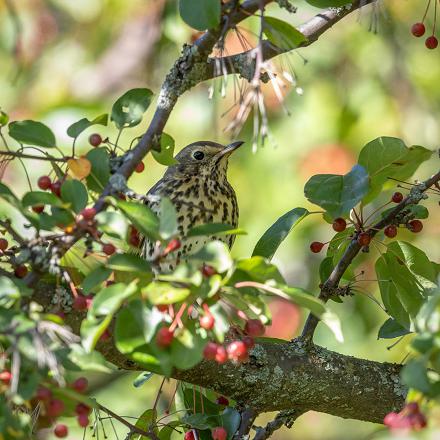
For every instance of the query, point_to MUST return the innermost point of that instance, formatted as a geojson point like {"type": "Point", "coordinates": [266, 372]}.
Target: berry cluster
{"type": "Point", "coordinates": [410, 418]}
{"type": "Point", "coordinates": [418, 29]}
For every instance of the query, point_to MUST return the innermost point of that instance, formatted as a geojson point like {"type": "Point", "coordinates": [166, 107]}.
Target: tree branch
{"type": "Point", "coordinates": [414, 197]}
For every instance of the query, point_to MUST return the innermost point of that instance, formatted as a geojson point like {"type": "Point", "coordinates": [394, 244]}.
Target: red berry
{"type": "Point", "coordinates": [189, 435]}
{"type": "Point", "coordinates": [108, 249]}
{"type": "Point", "coordinates": [43, 394]}
{"type": "Point", "coordinates": [210, 351]}
{"type": "Point", "coordinates": [162, 308]}
{"type": "Point", "coordinates": [390, 231]}
{"type": "Point", "coordinates": [95, 139]}
{"type": "Point", "coordinates": [83, 420]}
{"type": "Point", "coordinates": [44, 183]}
{"type": "Point", "coordinates": [412, 407]}
{"type": "Point", "coordinates": [219, 433]}
{"type": "Point", "coordinates": [316, 247]}
{"type": "Point", "coordinates": [3, 244]}
{"type": "Point", "coordinates": [61, 431]}
{"type": "Point", "coordinates": [364, 239]}
{"type": "Point", "coordinates": [390, 419]}
{"type": "Point", "coordinates": [254, 328]}
{"type": "Point", "coordinates": [237, 351]}
{"type": "Point", "coordinates": [55, 408]}
{"type": "Point", "coordinates": [5, 377]}
{"type": "Point", "coordinates": [82, 408]}
{"type": "Point", "coordinates": [222, 400]}
{"type": "Point", "coordinates": [140, 167]}
{"type": "Point", "coordinates": [415, 226]}
{"type": "Point", "coordinates": [397, 197]}
{"type": "Point", "coordinates": [207, 322]}
{"type": "Point", "coordinates": [172, 246]}
{"type": "Point", "coordinates": [164, 337]}
{"type": "Point", "coordinates": [55, 187]}
{"type": "Point", "coordinates": [208, 271]}
{"type": "Point", "coordinates": [339, 224]}
{"type": "Point", "coordinates": [431, 42]}
{"type": "Point", "coordinates": [221, 356]}
{"type": "Point", "coordinates": [20, 271]}
{"type": "Point", "coordinates": [88, 213]}
{"type": "Point", "coordinates": [417, 420]}
{"type": "Point", "coordinates": [80, 384]}
{"type": "Point", "coordinates": [418, 29]}
{"type": "Point", "coordinates": [80, 303]}
{"type": "Point", "coordinates": [249, 342]}
{"type": "Point", "coordinates": [38, 208]}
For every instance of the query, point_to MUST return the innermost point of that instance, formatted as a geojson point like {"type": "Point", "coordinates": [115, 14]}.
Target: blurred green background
{"type": "Point", "coordinates": [368, 77]}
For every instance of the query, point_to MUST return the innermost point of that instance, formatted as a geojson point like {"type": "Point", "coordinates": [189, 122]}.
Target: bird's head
{"type": "Point", "coordinates": [203, 158]}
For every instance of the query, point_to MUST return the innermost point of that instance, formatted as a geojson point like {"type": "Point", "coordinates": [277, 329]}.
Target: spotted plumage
{"type": "Point", "coordinates": [197, 186]}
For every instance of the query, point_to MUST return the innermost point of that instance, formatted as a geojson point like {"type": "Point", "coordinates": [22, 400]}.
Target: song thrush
{"type": "Point", "coordinates": [198, 187]}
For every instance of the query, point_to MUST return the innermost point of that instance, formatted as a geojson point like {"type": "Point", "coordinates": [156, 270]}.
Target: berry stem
{"type": "Point", "coordinates": [426, 11]}
{"type": "Point", "coordinates": [177, 319]}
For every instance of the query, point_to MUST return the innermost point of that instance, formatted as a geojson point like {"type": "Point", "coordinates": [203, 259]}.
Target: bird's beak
{"type": "Point", "coordinates": [231, 147]}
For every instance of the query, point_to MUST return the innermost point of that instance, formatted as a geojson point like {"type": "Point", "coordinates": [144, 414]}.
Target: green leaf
{"type": "Point", "coordinates": [428, 318]}
{"type": "Point", "coordinates": [198, 402]}
{"type": "Point", "coordinates": [142, 217]}
{"type": "Point", "coordinates": [214, 229]}
{"type": "Point", "coordinates": [95, 278]}
{"type": "Point", "coordinates": [135, 326]}
{"type": "Point", "coordinates": [147, 419]}
{"type": "Point", "coordinates": [11, 291]}
{"type": "Point", "coordinates": [414, 375]}
{"type": "Point", "coordinates": [230, 421]}
{"type": "Point", "coordinates": [92, 329]}
{"type": "Point", "coordinates": [74, 193]}
{"type": "Point", "coordinates": [332, 321]}
{"type": "Point", "coordinates": [93, 361]}
{"type": "Point", "coordinates": [391, 329]}
{"type": "Point", "coordinates": [216, 254]}
{"type": "Point", "coordinates": [40, 198]}
{"type": "Point", "coordinates": [128, 263]}
{"type": "Point", "coordinates": [166, 154]}
{"type": "Point", "coordinates": [78, 127]}
{"type": "Point", "coordinates": [268, 244]}
{"type": "Point", "coordinates": [32, 133]}
{"type": "Point", "coordinates": [164, 293]}
{"type": "Point", "coordinates": [167, 219]}
{"type": "Point", "coordinates": [98, 177]}
{"type": "Point", "coordinates": [327, 3]}
{"type": "Point", "coordinates": [129, 109]}
{"type": "Point", "coordinates": [109, 299]}
{"type": "Point", "coordinates": [4, 118]}
{"type": "Point", "coordinates": [281, 34]}
{"type": "Point", "coordinates": [338, 194]}
{"type": "Point", "coordinates": [187, 348]}
{"type": "Point", "coordinates": [200, 421]}
{"type": "Point", "coordinates": [304, 299]}
{"type": "Point", "coordinates": [257, 269]}
{"type": "Point", "coordinates": [387, 157]}
{"type": "Point", "coordinates": [325, 268]}
{"type": "Point", "coordinates": [112, 223]}
{"type": "Point", "coordinates": [144, 377]}
{"type": "Point", "coordinates": [200, 14]}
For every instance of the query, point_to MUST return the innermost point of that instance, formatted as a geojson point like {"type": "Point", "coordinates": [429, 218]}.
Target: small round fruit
{"type": "Point", "coordinates": [5, 377]}
{"type": "Point", "coordinates": [208, 271]}
{"type": "Point", "coordinates": [210, 351]}
{"type": "Point", "coordinates": [81, 408]}
{"type": "Point", "coordinates": [38, 208]}
{"type": "Point", "coordinates": [83, 420]}
{"type": "Point", "coordinates": [61, 431]}
{"type": "Point", "coordinates": [418, 29]}
{"type": "Point", "coordinates": [172, 246]}
{"type": "Point", "coordinates": [162, 308]}
{"type": "Point", "coordinates": [431, 42]}
{"type": "Point", "coordinates": [316, 247]}
{"type": "Point", "coordinates": [219, 433]}
{"type": "Point", "coordinates": [222, 400]}
{"type": "Point", "coordinates": [207, 322]}
{"type": "Point", "coordinates": [390, 231]}
{"type": "Point", "coordinates": [80, 303]}
{"type": "Point", "coordinates": [254, 328]}
{"type": "Point", "coordinates": [364, 239]}
{"type": "Point", "coordinates": [88, 213]}
{"type": "Point", "coordinates": [55, 187]}
{"type": "Point", "coordinates": [80, 385]}
{"type": "Point", "coordinates": [95, 140]}
{"type": "Point", "coordinates": [140, 167]}
{"type": "Point", "coordinates": [390, 419]}
{"type": "Point", "coordinates": [339, 224]}
{"type": "Point", "coordinates": [44, 183]}
{"type": "Point", "coordinates": [237, 351]}
{"type": "Point", "coordinates": [397, 197]}
{"type": "Point", "coordinates": [221, 355]}
{"type": "Point", "coordinates": [3, 244]}
{"type": "Point", "coordinates": [164, 337]}
{"type": "Point", "coordinates": [55, 408]}
{"type": "Point", "coordinates": [20, 271]}
{"type": "Point", "coordinates": [189, 435]}
{"type": "Point", "coordinates": [43, 394]}
{"type": "Point", "coordinates": [412, 407]}
{"type": "Point", "coordinates": [108, 249]}
{"type": "Point", "coordinates": [415, 226]}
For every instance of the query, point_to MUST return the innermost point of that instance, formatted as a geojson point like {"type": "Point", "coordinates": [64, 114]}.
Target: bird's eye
{"type": "Point", "coordinates": [198, 155]}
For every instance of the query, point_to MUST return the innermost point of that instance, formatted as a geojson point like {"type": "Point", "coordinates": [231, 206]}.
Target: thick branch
{"type": "Point", "coordinates": [354, 248]}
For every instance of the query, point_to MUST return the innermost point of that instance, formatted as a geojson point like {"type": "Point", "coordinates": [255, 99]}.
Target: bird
{"type": "Point", "coordinates": [198, 187]}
